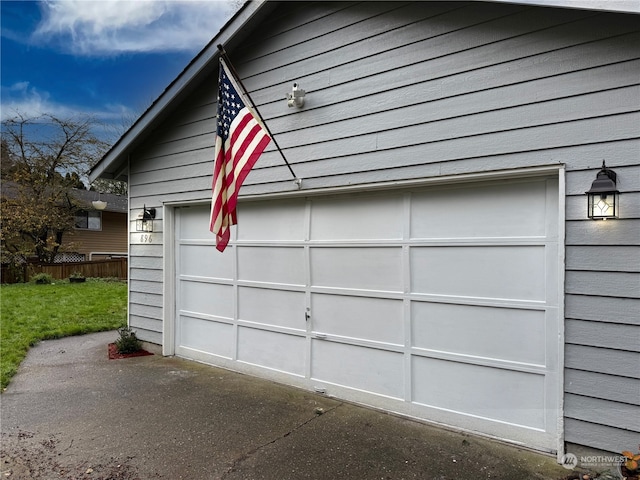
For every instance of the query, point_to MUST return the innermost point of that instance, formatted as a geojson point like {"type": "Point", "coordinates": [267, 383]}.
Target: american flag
{"type": "Point", "coordinates": [240, 140]}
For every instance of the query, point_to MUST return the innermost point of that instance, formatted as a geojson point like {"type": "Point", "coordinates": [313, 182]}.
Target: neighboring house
{"type": "Point", "coordinates": [437, 260]}
{"type": "Point", "coordinates": [98, 234]}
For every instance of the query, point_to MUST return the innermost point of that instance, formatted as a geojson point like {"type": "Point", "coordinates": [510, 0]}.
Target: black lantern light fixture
{"type": "Point", "coordinates": [144, 223]}
{"type": "Point", "coordinates": [602, 198]}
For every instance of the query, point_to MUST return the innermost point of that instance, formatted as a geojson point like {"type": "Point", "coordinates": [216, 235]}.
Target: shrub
{"type": "Point", "coordinates": [128, 342]}
{"type": "Point", "coordinates": [42, 279]}
{"type": "Point", "coordinates": [77, 277]}
{"type": "Point", "coordinates": [632, 462]}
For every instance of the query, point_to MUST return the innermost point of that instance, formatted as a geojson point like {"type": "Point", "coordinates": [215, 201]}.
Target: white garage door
{"type": "Point", "coordinates": [439, 303]}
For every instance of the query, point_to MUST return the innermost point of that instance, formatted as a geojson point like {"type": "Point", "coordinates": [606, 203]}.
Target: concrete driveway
{"type": "Point", "coordinates": [71, 413]}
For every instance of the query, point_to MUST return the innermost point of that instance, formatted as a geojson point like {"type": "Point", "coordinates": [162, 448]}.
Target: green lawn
{"type": "Point", "coordinates": [30, 313]}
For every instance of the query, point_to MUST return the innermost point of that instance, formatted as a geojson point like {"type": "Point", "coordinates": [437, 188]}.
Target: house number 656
{"type": "Point", "coordinates": [145, 238]}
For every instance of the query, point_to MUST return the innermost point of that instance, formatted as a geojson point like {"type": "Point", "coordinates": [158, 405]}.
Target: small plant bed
{"type": "Point", "coordinates": [115, 355]}
{"type": "Point", "coordinates": [128, 345]}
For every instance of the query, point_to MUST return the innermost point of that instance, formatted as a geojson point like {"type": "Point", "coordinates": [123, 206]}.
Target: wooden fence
{"type": "Point", "coordinates": [114, 268]}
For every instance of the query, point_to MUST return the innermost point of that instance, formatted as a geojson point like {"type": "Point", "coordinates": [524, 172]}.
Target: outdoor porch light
{"type": "Point", "coordinates": [99, 204]}
{"type": "Point", "coordinates": [602, 198]}
{"type": "Point", "coordinates": [144, 223]}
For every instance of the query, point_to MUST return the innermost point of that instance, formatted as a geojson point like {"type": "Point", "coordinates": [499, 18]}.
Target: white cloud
{"type": "Point", "coordinates": [109, 27]}
{"type": "Point", "coordinates": [24, 99]}
{"type": "Point", "coordinates": [21, 98]}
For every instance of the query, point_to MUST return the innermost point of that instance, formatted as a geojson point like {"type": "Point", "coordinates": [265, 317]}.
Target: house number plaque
{"type": "Point", "coordinates": [146, 238]}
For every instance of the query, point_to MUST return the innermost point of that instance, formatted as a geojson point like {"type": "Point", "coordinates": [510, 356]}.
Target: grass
{"type": "Point", "coordinates": [31, 313]}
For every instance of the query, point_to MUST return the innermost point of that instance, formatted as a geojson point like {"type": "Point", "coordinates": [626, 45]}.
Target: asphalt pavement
{"type": "Point", "coordinates": [72, 413]}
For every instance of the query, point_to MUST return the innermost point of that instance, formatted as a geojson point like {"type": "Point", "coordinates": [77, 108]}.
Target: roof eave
{"type": "Point", "coordinates": [620, 6]}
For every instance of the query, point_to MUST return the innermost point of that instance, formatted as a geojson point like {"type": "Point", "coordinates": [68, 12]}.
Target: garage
{"type": "Point", "coordinates": [437, 260]}
{"type": "Point", "coordinates": [425, 302]}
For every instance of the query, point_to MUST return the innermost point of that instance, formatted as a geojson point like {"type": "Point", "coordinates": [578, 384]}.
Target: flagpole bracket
{"type": "Point", "coordinates": [298, 183]}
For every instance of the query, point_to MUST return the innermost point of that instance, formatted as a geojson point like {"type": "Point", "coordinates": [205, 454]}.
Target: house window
{"type": "Point", "coordinates": [89, 220]}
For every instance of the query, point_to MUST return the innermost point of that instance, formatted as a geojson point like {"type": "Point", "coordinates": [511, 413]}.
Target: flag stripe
{"type": "Point", "coordinates": [240, 140]}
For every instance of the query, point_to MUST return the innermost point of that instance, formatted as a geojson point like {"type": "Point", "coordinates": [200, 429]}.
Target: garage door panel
{"type": "Point", "coordinates": [497, 210]}
{"type": "Point", "coordinates": [503, 395]}
{"type": "Point", "coordinates": [208, 336]}
{"type": "Point", "coordinates": [282, 221]}
{"type": "Point", "coordinates": [206, 298]}
{"type": "Point", "coordinates": [376, 217]}
{"type": "Point", "coordinates": [499, 272]}
{"type": "Point", "coordinates": [517, 335]}
{"type": "Point", "coordinates": [198, 260]}
{"type": "Point", "coordinates": [281, 308]}
{"type": "Point", "coordinates": [285, 353]}
{"type": "Point", "coordinates": [374, 319]}
{"type": "Point", "coordinates": [369, 268]}
{"type": "Point", "coordinates": [366, 369]}
{"type": "Point", "coordinates": [283, 265]}
{"type": "Point", "coordinates": [194, 224]}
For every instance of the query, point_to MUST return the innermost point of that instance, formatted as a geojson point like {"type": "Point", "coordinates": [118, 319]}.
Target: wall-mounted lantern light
{"type": "Point", "coordinates": [144, 223]}
{"type": "Point", "coordinates": [602, 198]}
{"type": "Point", "coordinates": [296, 97]}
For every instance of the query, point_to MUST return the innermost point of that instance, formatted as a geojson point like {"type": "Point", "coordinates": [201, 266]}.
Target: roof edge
{"type": "Point", "coordinates": [620, 6]}
{"type": "Point", "coordinates": [207, 55]}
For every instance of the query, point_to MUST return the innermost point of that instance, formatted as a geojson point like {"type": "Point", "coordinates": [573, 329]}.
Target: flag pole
{"type": "Point", "coordinates": [224, 55]}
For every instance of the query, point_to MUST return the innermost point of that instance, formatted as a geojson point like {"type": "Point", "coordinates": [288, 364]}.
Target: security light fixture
{"type": "Point", "coordinates": [296, 97]}
{"type": "Point", "coordinates": [144, 223]}
{"type": "Point", "coordinates": [602, 198]}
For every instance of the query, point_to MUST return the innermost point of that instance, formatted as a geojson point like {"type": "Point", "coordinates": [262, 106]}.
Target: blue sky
{"type": "Point", "coordinates": [106, 58]}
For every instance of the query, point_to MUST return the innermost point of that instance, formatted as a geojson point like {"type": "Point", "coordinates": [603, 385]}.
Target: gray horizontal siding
{"type": "Point", "coordinates": [612, 309]}
{"type": "Point", "coordinates": [602, 334]}
{"type": "Point", "coordinates": [598, 436]}
{"type": "Point", "coordinates": [147, 330]}
{"type": "Point", "coordinates": [606, 284]}
{"type": "Point", "coordinates": [621, 232]}
{"type": "Point", "coordinates": [603, 258]}
{"type": "Point", "coordinates": [604, 412]}
{"type": "Point", "coordinates": [146, 311]}
{"type": "Point", "coordinates": [608, 387]}
{"type": "Point", "coordinates": [151, 299]}
{"type": "Point", "coordinates": [603, 360]}
{"type": "Point", "coordinates": [145, 282]}
{"type": "Point", "coordinates": [399, 91]}
{"type": "Point", "coordinates": [146, 262]}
